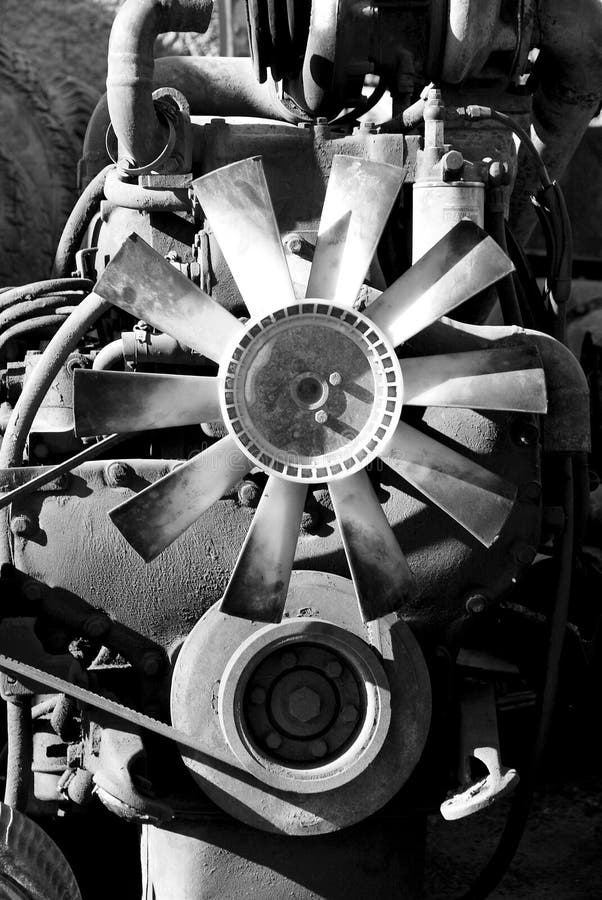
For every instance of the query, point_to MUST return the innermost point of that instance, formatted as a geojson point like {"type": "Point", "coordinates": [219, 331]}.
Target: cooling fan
{"type": "Point", "coordinates": [310, 391]}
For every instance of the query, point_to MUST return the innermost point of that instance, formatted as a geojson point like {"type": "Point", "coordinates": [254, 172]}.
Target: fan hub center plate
{"type": "Point", "coordinates": [312, 392]}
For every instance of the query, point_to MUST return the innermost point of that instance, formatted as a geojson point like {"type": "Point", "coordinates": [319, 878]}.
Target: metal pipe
{"type": "Point", "coordinates": [110, 357]}
{"type": "Point", "coordinates": [77, 224]}
{"type": "Point", "coordinates": [20, 751]}
{"type": "Point", "coordinates": [20, 328]}
{"type": "Point", "coordinates": [213, 86]}
{"type": "Point", "coordinates": [140, 133]}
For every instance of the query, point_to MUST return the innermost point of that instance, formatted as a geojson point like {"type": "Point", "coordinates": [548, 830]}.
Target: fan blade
{"type": "Point", "coordinates": [143, 283]}
{"type": "Point", "coordinates": [259, 584]}
{"type": "Point", "coordinates": [153, 519]}
{"type": "Point", "coordinates": [359, 199]}
{"type": "Point", "coordinates": [104, 402]}
{"type": "Point", "coordinates": [381, 576]}
{"type": "Point", "coordinates": [477, 499]}
{"type": "Point", "coordinates": [237, 202]}
{"type": "Point", "coordinates": [465, 261]}
{"type": "Point", "coordinates": [510, 379]}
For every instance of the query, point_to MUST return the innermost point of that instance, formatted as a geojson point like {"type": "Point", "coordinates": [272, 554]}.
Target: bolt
{"type": "Point", "coordinates": [248, 493]}
{"type": "Point", "coordinates": [33, 590]}
{"type": "Point", "coordinates": [321, 416]}
{"type": "Point", "coordinates": [349, 713]}
{"type": "Point", "coordinates": [453, 163]}
{"type": "Point", "coordinates": [526, 434]}
{"type": "Point", "coordinates": [523, 553]}
{"type": "Point", "coordinates": [334, 668]}
{"type": "Point", "coordinates": [151, 662]}
{"type": "Point", "coordinates": [118, 474]}
{"type": "Point", "coordinates": [258, 696]}
{"type": "Point", "coordinates": [41, 451]}
{"type": "Point", "coordinates": [335, 378]}
{"type": "Point", "coordinates": [475, 603]}
{"type": "Point", "coordinates": [273, 740]}
{"type": "Point", "coordinates": [23, 526]}
{"type": "Point", "coordinates": [288, 659]}
{"type": "Point", "coordinates": [318, 748]}
{"type": "Point", "coordinates": [304, 704]}
{"type": "Point", "coordinates": [96, 625]}
{"type": "Point", "coordinates": [293, 243]}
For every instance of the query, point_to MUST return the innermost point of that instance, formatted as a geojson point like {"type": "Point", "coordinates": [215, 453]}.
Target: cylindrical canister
{"type": "Point", "coordinates": [438, 206]}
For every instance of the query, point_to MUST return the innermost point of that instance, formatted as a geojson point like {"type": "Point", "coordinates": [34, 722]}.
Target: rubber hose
{"type": "Point", "coordinates": [78, 223]}
{"type": "Point", "coordinates": [28, 325]}
{"type": "Point", "coordinates": [503, 855]}
{"type": "Point", "coordinates": [38, 288]}
{"type": "Point", "coordinates": [32, 308]}
{"type": "Point", "coordinates": [20, 752]}
{"type": "Point", "coordinates": [110, 357]}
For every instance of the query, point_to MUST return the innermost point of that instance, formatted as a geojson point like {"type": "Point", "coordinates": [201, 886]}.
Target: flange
{"type": "Point", "coordinates": [323, 717]}
{"type": "Point", "coordinates": [312, 391]}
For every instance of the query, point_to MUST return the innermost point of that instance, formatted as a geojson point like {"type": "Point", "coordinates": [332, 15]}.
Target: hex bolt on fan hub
{"type": "Point", "coordinates": [312, 392]}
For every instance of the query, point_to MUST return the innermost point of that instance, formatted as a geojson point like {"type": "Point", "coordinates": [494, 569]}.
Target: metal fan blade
{"type": "Point", "coordinates": [143, 283]}
{"type": "Point", "coordinates": [259, 584]}
{"type": "Point", "coordinates": [465, 261]}
{"type": "Point", "coordinates": [382, 578]}
{"type": "Point", "coordinates": [476, 498]}
{"type": "Point", "coordinates": [153, 519]}
{"type": "Point", "coordinates": [104, 402]}
{"type": "Point", "coordinates": [359, 199]}
{"type": "Point", "coordinates": [510, 379]}
{"type": "Point", "coordinates": [237, 202]}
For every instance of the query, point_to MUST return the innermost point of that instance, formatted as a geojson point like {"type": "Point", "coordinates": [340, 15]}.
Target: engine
{"type": "Point", "coordinates": [294, 451]}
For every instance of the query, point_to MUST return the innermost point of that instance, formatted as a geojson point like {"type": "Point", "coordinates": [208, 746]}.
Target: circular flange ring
{"type": "Point", "coordinates": [311, 392]}
{"type": "Point", "coordinates": [195, 708]}
{"type": "Point", "coordinates": [284, 638]}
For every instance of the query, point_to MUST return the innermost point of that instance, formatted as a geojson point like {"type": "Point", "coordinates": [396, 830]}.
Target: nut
{"type": "Point", "coordinates": [273, 740]}
{"type": "Point", "coordinates": [258, 696]}
{"type": "Point", "coordinates": [475, 603]}
{"type": "Point", "coordinates": [334, 668]}
{"type": "Point", "coordinates": [349, 713]}
{"type": "Point", "coordinates": [321, 416]}
{"type": "Point", "coordinates": [248, 493]}
{"type": "Point", "coordinates": [318, 748]}
{"type": "Point", "coordinates": [304, 704]}
{"type": "Point", "coordinates": [118, 474]}
{"type": "Point", "coordinates": [288, 659]}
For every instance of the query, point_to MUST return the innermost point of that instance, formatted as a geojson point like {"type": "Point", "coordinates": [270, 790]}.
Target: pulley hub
{"type": "Point", "coordinates": [312, 392]}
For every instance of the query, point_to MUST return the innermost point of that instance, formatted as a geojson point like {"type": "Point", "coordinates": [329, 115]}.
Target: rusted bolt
{"type": "Point", "coordinates": [335, 378]}
{"type": "Point", "coordinates": [318, 748]}
{"type": "Point", "coordinates": [523, 553]}
{"type": "Point", "coordinates": [475, 603]}
{"type": "Point", "coordinates": [321, 416]}
{"type": "Point", "coordinates": [334, 668]}
{"type": "Point", "coordinates": [151, 662]}
{"type": "Point", "coordinates": [288, 659]}
{"type": "Point", "coordinates": [294, 243]}
{"type": "Point", "coordinates": [349, 713]}
{"type": "Point", "coordinates": [23, 526]}
{"type": "Point", "coordinates": [258, 696]}
{"type": "Point", "coordinates": [304, 704]}
{"type": "Point", "coordinates": [273, 740]}
{"type": "Point", "coordinates": [96, 625]}
{"type": "Point", "coordinates": [118, 474]}
{"type": "Point", "coordinates": [248, 493]}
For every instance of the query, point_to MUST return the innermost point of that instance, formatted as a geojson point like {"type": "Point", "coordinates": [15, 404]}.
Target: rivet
{"type": "Point", "coordinates": [349, 713]}
{"type": "Point", "coordinates": [273, 740]}
{"type": "Point", "coordinates": [318, 748]}
{"type": "Point", "coordinates": [258, 696]}
{"type": "Point", "coordinates": [321, 416]}
{"type": "Point", "coordinates": [334, 668]}
{"type": "Point", "coordinates": [335, 378]}
{"type": "Point", "coordinates": [23, 526]}
{"type": "Point", "coordinates": [248, 493]}
{"type": "Point", "coordinates": [118, 474]}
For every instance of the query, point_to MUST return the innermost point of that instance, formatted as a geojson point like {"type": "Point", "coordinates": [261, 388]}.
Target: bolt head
{"type": "Point", "coordinates": [321, 416]}
{"type": "Point", "coordinates": [318, 748]}
{"type": "Point", "coordinates": [288, 659]}
{"type": "Point", "coordinates": [335, 378]}
{"type": "Point", "coordinates": [118, 474]}
{"type": "Point", "coordinates": [96, 625]}
{"type": "Point", "coordinates": [334, 669]}
{"type": "Point", "coordinates": [304, 704]}
{"type": "Point", "coordinates": [22, 526]}
{"type": "Point", "coordinates": [248, 493]}
{"type": "Point", "coordinates": [273, 740]}
{"type": "Point", "coordinates": [152, 663]}
{"type": "Point", "coordinates": [476, 603]}
{"type": "Point", "coordinates": [349, 713]}
{"type": "Point", "coordinates": [258, 696]}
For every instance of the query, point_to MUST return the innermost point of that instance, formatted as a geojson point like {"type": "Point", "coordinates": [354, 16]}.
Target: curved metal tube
{"type": "Point", "coordinates": [131, 68]}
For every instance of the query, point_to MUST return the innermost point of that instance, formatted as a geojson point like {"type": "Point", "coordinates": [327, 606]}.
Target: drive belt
{"type": "Point", "coordinates": [26, 672]}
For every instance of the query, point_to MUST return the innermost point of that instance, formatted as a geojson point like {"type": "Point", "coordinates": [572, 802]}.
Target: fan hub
{"type": "Point", "coordinates": [312, 392]}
